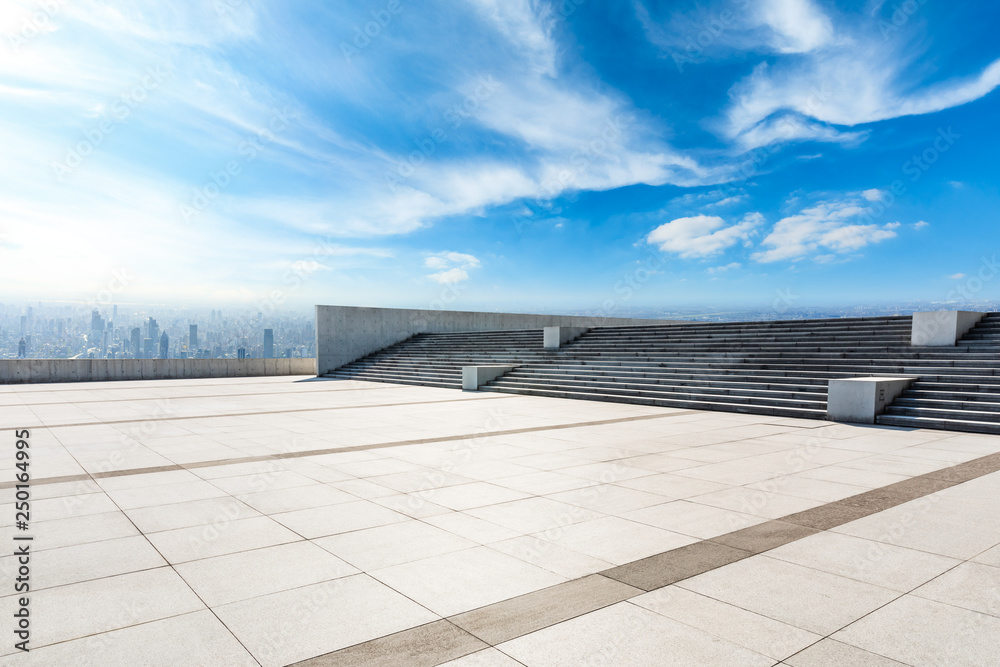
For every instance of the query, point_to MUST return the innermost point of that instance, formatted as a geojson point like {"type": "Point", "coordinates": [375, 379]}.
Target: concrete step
{"type": "Point", "coordinates": [778, 411]}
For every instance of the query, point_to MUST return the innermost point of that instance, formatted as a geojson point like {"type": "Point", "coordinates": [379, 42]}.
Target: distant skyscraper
{"type": "Point", "coordinates": [22, 349]}
{"type": "Point", "coordinates": [24, 324]}
{"type": "Point", "coordinates": [114, 313]}
{"type": "Point", "coordinates": [136, 339]}
{"type": "Point", "coordinates": [241, 353]}
{"type": "Point", "coordinates": [268, 343]}
{"type": "Point", "coordinates": [147, 348]}
{"type": "Point", "coordinates": [153, 330]}
{"type": "Point", "coordinates": [164, 346]}
{"type": "Point", "coordinates": [193, 337]}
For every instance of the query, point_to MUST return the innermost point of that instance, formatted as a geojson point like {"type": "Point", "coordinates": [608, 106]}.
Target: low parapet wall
{"type": "Point", "coordinates": [347, 333]}
{"type": "Point", "coordinates": [22, 371]}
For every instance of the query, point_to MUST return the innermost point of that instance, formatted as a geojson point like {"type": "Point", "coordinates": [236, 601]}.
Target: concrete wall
{"type": "Point", "coordinates": [20, 371]}
{"type": "Point", "coordinates": [942, 327]}
{"type": "Point", "coordinates": [346, 333]}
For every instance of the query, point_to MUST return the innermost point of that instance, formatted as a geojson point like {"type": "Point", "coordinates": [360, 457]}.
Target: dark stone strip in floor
{"type": "Point", "coordinates": [336, 450]}
{"type": "Point", "coordinates": [533, 611]}
{"type": "Point", "coordinates": [423, 646]}
{"type": "Point", "coordinates": [764, 536]}
{"type": "Point", "coordinates": [672, 566]}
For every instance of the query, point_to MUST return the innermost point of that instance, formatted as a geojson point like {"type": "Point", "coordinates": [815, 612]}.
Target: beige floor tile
{"type": "Point", "coordinates": [301, 623]}
{"type": "Point", "coordinates": [916, 631]}
{"type": "Point", "coordinates": [694, 519]}
{"type": "Point", "coordinates": [929, 524]}
{"type": "Point", "coordinates": [972, 586]}
{"type": "Point", "coordinates": [989, 557]}
{"type": "Point", "coordinates": [207, 643]}
{"type": "Point", "coordinates": [533, 515]}
{"type": "Point", "coordinates": [789, 593]}
{"type": "Point", "coordinates": [81, 530]}
{"type": "Point", "coordinates": [542, 483]}
{"type": "Point", "coordinates": [217, 539]}
{"type": "Point", "coordinates": [488, 658]}
{"type": "Point", "coordinates": [673, 486]}
{"type": "Point", "coordinates": [830, 653]}
{"type": "Point", "coordinates": [164, 494]}
{"type": "Point", "coordinates": [474, 494]}
{"type": "Point", "coordinates": [550, 556]}
{"type": "Point", "coordinates": [295, 498]}
{"type": "Point", "coordinates": [394, 544]}
{"type": "Point", "coordinates": [247, 574]}
{"type": "Point", "coordinates": [758, 503]}
{"type": "Point", "coordinates": [339, 518]}
{"type": "Point", "coordinates": [260, 482]}
{"type": "Point", "coordinates": [625, 634]}
{"type": "Point", "coordinates": [462, 580]}
{"type": "Point", "coordinates": [471, 528]}
{"type": "Point", "coordinates": [102, 605]}
{"type": "Point", "coordinates": [83, 562]}
{"type": "Point", "coordinates": [614, 540]}
{"type": "Point", "coordinates": [758, 633]}
{"type": "Point", "coordinates": [216, 511]}
{"type": "Point", "coordinates": [608, 498]}
{"type": "Point", "coordinates": [873, 562]}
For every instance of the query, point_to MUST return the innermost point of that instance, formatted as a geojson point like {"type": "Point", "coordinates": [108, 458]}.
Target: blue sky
{"type": "Point", "coordinates": [499, 154]}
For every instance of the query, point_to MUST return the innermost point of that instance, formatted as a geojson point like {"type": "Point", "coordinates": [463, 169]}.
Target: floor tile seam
{"type": "Point", "coordinates": [269, 412]}
{"type": "Point", "coordinates": [332, 450]}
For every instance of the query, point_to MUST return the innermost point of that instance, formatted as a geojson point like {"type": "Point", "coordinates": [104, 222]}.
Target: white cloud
{"type": "Point", "coordinates": [956, 276]}
{"type": "Point", "coordinates": [873, 195]}
{"type": "Point", "coordinates": [921, 224]}
{"type": "Point", "coordinates": [450, 277]}
{"type": "Point", "coordinates": [453, 267]}
{"type": "Point", "coordinates": [797, 26]}
{"type": "Point", "coordinates": [722, 269]}
{"type": "Point", "coordinates": [828, 227]}
{"type": "Point", "coordinates": [702, 235]}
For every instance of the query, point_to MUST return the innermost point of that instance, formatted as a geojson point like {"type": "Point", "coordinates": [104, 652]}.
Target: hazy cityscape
{"type": "Point", "coordinates": [73, 331]}
{"type": "Point", "coordinates": [41, 330]}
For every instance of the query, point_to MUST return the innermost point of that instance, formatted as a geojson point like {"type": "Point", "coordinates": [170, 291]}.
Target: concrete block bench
{"type": "Point", "coordinates": [860, 400]}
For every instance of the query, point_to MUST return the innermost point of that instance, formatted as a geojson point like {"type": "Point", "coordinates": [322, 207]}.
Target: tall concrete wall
{"type": "Point", "coordinates": [347, 333]}
{"type": "Point", "coordinates": [20, 371]}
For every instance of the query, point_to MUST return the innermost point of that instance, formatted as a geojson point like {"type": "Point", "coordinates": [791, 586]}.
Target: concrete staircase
{"type": "Point", "coordinates": [966, 399]}
{"type": "Point", "coordinates": [436, 360]}
{"type": "Point", "coordinates": [776, 368]}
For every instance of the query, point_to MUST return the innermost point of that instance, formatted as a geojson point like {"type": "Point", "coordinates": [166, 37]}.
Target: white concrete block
{"type": "Point", "coordinates": [473, 377]}
{"type": "Point", "coordinates": [942, 327]}
{"type": "Point", "coordinates": [860, 400]}
{"type": "Point", "coordinates": [556, 337]}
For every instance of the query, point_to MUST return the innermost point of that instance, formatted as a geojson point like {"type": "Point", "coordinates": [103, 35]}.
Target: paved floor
{"type": "Point", "coordinates": [276, 521]}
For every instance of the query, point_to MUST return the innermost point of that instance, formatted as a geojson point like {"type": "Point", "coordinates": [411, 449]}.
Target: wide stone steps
{"type": "Point", "coordinates": [775, 368]}
{"type": "Point", "coordinates": [962, 401]}
{"type": "Point", "coordinates": [818, 411]}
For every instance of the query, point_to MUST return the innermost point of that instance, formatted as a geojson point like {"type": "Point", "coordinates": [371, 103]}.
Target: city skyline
{"type": "Point", "coordinates": [485, 155]}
